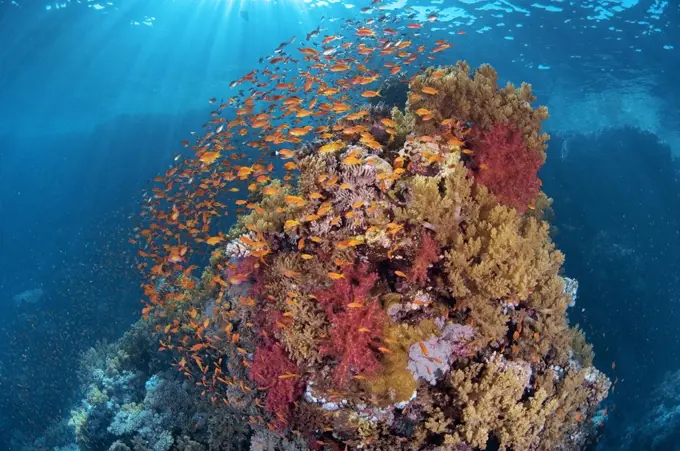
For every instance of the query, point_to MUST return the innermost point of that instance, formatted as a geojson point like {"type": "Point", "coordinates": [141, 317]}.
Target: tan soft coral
{"type": "Point", "coordinates": [490, 398]}
{"type": "Point", "coordinates": [439, 202]}
{"type": "Point", "coordinates": [477, 99]}
{"type": "Point", "coordinates": [270, 213]}
{"type": "Point", "coordinates": [307, 328]}
{"type": "Point", "coordinates": [502, 255]}
{"type": "Point", "coordinates": [396, 383]}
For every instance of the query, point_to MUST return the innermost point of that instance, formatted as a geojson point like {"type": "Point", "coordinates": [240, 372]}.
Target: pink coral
{"type": "Point", "coordinates": [428, 254]}
{"type": "Point", "coordinates": [507, 166]}
{"type": "Point", "coordinates": [356, 324]}
{"type": "Point", "coordinates": [275, 372]}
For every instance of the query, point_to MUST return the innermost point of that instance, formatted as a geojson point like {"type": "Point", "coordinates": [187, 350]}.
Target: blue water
{"type": "Point", "coordinates": [95, 98]}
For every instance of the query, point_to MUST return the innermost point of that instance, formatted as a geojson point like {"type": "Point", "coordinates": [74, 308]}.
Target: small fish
{"type": "Point", "coordinates": [213, 240]}
{"type": "Point", "coordinates": [290, 223]}
{"type": "Point", "coordinates": [351, 160]}
{"type": "Point", "coordinates": [271, 191]}
{"type": "Point", "coordinates": [441, 48]}
{"type": "Point", "coordinates": [370, 94]}
{"type": "Point", "coordinates": [295, 201]}
{"type": "Point", "coordinates": [300, 131]}
{"type": "Point", "coordinates": [288, 376]}
{"type": "Point", "coordinates": [314, 32]}
{"type": "Point", "coordinates": [209, 157]}
{"type": "Point", "coordinates": [332, 147]}
{"type": "Point", "coordinates": [363, 31]}
{"type": "Point", "coordinates": [423, 112]}
{"type": "Point", "coordinates": [388, 122]}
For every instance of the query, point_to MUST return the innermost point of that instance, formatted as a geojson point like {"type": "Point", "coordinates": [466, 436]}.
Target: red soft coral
{"type": "Point", "coordinates": [506, 166]}
{"type": "Point", "coordinates": [356, 324]}
{"type": "Point", "coordinates": [356, 283]}
{"type": "Point", "coordinates": [428, 254]}
{"type": "Point", "coordinates": [269, 363]}
{"type": "Point", "coordinates": [354, 336]}
{"type": "Point", "coordinates": [245, 270]}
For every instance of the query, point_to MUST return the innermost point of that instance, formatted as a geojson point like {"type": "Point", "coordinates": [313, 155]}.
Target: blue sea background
{"type": "Point", "coordinates": [95, 98]}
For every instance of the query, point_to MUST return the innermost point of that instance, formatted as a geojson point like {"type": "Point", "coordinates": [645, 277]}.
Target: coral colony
{"type": "Point", "coordinates": [395, 288]}
{"type": "Point", "coordinates": [407, 299]}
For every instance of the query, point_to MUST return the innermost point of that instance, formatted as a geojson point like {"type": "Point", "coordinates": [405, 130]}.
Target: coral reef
{"type": "Point", "coordinates": [401, 292]}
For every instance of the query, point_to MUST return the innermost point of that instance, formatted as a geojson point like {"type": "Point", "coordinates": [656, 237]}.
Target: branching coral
{"type": "Point", "coordinates": [502, 255]}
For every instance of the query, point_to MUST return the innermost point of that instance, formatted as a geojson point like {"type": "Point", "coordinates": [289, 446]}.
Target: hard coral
{"type": "Point", "coordinates": [506, 165]}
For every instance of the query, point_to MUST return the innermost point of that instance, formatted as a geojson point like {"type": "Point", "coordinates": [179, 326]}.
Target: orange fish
{"type": "Point", "coordinates": [365, 32]}
{"type": "Point", "coordinates": [300, 131]}
{"type": "Point", "coordinates": [441, 48]}
{"type": "Point", "coordinates": [209, 157]}
{"type": "Point", "coordinates": [370, 94]}
{"type": "Point", "coordinates": [213, 240]}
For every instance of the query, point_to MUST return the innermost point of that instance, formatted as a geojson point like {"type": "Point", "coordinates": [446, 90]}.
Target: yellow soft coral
{"type": "Point", "coordinates": [396, 383]}
{"type": "Point", "coordinates": [490, 397]}
{"type": "Point", "coordinates": [503, 255]}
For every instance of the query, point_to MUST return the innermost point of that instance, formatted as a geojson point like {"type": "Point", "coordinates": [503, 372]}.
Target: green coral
{"type": "Point", "coordinates": [96, 397]}
{"type": "Point", "coordinates": [406, 123]}
{"type": "Point", "coordinates": [78, 421]}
